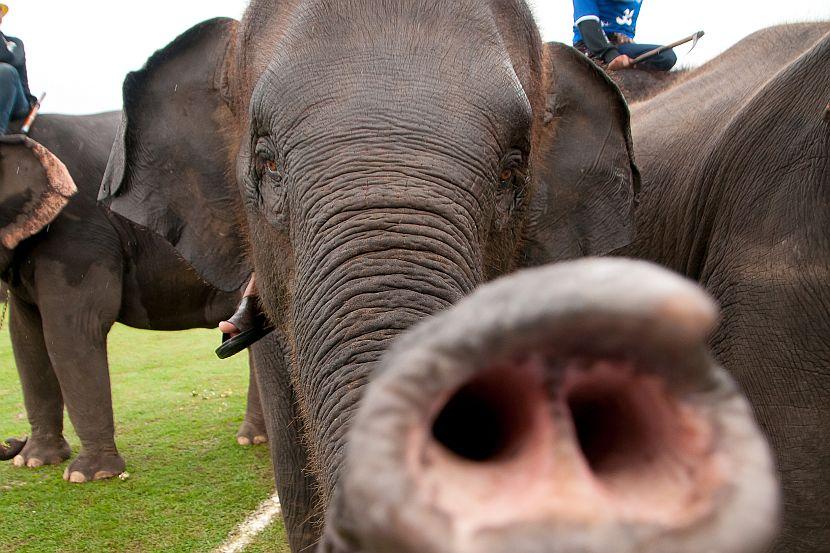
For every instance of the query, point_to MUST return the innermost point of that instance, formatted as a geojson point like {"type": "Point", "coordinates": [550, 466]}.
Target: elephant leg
{"type": "Point", "coordinates": [76, 320]}
{"type": "Point", "coordinates": [80, 361]}
{"type": "Point", "coordinates": [252, 430]}
{"type": "Point", "coordinates": [41, 391]}
{"type": "Point", "coordinates": [295, 484]}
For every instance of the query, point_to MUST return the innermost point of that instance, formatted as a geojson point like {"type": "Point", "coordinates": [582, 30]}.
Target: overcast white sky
{"type": "Point", "coordinates": [79, 51]}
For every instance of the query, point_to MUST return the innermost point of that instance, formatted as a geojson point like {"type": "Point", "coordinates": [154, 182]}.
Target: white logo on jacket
{"type": "Point", "coordinates": [627, 18]}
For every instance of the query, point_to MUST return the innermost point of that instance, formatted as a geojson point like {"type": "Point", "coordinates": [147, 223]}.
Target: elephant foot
{"type": "Point", "coordinates": [87, 468]}
{"type": "Point", "coordinates": [40, 451]}
{"type": "Point", "coordinates": [251, 434]}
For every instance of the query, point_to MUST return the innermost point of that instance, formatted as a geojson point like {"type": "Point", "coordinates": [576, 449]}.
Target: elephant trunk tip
{"type": "Point", "coordinates": [595, 445]}
{"type": "Point", "coordinates": [603, 430]}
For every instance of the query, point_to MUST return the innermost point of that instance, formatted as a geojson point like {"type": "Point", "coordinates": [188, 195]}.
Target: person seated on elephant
{"type": "Point", "coordinates": [246, 326]}
{"type": "Point", "coordinates": [604, 31]}
{"type": "Point", "coordinates": [15, 98]}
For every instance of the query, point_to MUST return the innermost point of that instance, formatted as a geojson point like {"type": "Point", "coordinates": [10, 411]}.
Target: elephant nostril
{"type": "Point", "coordinates": [583, 439]}
{"type": "Point", "coordinates": [620, 428]}
{"type": "Point", "coordinates": [460, 427]}
{"type": "Point", "coordinates": [642, 447]}
{"type": "Point", "coordinates": [483, 421]}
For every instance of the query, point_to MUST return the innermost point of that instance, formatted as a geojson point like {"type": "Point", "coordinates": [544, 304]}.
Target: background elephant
{"type": "Point", "coordinates": [735, 162]}
{"type": "Point", "coordinates": [641, 84]}
{"type": "Point", "coordinates": [72, 281]}
{"type": "Point", "coordinates": [375, 160]}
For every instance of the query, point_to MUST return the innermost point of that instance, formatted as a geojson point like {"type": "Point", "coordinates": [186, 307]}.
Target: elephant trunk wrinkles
{"type": "Point", "coordinates": [360, 283]}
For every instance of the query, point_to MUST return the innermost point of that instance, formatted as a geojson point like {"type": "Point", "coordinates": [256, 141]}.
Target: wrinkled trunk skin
{"type": "Point", "coordinates": [573, 408]}
{"type": "Point", "coordinates": [374, 271]}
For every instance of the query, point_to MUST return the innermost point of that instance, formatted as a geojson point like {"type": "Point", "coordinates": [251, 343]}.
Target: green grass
{"type": "Point", "coordinates": [264, 542]}
{"type": "Point", "coordinates": [177, 409]}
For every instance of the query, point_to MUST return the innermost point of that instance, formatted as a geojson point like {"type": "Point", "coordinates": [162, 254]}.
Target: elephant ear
{"type": "Point", "coordinates": [170, 169]}
{"type": "Point", "coordinates": [583, 164]}
{"type": "Point", "coordinates": [34, 187]}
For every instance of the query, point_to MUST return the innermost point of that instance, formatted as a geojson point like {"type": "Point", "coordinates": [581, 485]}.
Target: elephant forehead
{"type": "Point", "coordinates": [302, 26]}
{"type": "Point", "coordinates": [389, 58]}
{"type": "Point", "coordinates": [361, 92]}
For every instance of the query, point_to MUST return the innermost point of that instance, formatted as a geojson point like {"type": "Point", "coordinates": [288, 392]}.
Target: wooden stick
{"type": "Point", "coordinates": [27, 124]}
{"type": "Point", "coordinates": [662, 49]}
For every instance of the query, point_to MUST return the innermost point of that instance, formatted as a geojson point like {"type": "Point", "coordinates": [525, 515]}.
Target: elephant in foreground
{"type": "Point", "coordinates": [72, 280]}
{"type": "Point", "coordinates": [736, 166]}
{"type": "Point", "coordinates": [376, 162]}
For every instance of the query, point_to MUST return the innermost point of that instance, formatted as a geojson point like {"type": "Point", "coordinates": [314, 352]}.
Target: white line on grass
{"type": "Point", "coordinates": [256, 522]}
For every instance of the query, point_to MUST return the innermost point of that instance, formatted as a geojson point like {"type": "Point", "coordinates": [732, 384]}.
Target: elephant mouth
{"type": "Point", "coordinates": [603, 443]}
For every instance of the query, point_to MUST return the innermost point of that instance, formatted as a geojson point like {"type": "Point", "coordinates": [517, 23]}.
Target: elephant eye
{"type": "Point", "coordinates": [266, 160]}
{"type": "Point", "coordinates": [511, 169]}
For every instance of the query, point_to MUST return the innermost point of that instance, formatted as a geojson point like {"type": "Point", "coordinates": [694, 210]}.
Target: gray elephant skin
{"type": "Point", "coordinates": [376, 161]}
{"type": "Point", "coordinates": [736, 165]}
{"type": "Point", "coordinates": [70, 282]}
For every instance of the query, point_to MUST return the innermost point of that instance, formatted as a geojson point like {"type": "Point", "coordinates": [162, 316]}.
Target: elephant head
{"type": "Point", "coordinates": [36, 187]}
{"type": "Point", "coordinates": [375, 161]}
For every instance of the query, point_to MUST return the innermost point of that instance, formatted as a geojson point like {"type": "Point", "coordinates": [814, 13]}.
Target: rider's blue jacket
{"type": "Point", "coordinates": [615, 16]}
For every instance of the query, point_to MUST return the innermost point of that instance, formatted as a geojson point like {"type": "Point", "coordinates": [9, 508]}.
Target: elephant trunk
{"type": "Point", "coordinates": [569, 408]}
{"type": "Point", "coordinates": [366, 275]}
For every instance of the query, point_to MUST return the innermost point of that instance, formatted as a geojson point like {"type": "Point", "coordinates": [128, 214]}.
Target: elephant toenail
{"type": "Point", "coordinates": [19, 461]}
{"type": "Point", "coordinates": [242, 440]}
{"type": "Point", "coordinates": [77, 477]}
{"type": "Point", "coordinates": [33, 463]}
{"type": "Point", "coordinates": [260, 440]}
{"type": "Point", "coordinates": [103, 474]}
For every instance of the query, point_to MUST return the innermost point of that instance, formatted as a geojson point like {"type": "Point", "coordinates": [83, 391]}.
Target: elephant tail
{"type": "Point", "coordinates": [10, 448]}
